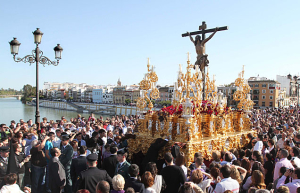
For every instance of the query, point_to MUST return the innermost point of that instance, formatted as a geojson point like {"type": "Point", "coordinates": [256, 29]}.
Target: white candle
{"type": "Point", "coordinates": [188, 56]}
{"type": "Point", "coordinates": [175, 86]}
{"type": "Point", "coordinates": [180, 69]}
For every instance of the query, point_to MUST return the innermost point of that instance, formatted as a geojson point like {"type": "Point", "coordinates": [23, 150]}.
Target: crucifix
{"type": "Point", "coordinates": [199, 43]}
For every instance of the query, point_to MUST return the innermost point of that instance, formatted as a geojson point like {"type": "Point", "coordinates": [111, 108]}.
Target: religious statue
{"type": "Point", "coordinates": [202, 60]}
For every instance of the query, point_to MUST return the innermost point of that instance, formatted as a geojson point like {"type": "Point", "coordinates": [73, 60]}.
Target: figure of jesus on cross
{"type": "Point", "coordinates": [199, 43]}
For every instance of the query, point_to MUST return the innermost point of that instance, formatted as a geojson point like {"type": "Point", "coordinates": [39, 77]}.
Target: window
{"type": "Point", "coordinates": [264, 85]}
{"type": "Point", "coordinates": [272, 91]}
{"type": "Point", "coordinates": [263, 104]}
{"type": "Point", "coordinates": [256, 91]}
{"type": "Point", "coordinates": [251, 85]}
{"type": "Point", "coordinates": [263, 97]}
{"type": "Point", "coordinates": [256, 85]}
{"type": "Point", "coordinates": [263, 91]}
{"type": "Point", "coordinates": [271, 97]}
{"type": "Point", "coordinates": [271, 104]}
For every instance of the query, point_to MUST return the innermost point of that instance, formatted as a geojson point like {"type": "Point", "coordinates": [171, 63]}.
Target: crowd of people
{"type": "Point", "coordinates": [90, 155]}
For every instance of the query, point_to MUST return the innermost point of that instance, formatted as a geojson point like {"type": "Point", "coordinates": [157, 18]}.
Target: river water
{"type": "Point", "coordinates": [13, 109]}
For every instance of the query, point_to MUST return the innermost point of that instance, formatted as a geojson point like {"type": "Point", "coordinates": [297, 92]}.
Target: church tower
{"type": "Point", "coordinates": [119, 82]}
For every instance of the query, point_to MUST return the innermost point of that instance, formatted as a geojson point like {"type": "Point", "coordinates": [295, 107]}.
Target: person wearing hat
{"type": "Point", "coordinates": [123, 165]}
{"type": "Point", "coordinates": [89, 178]}
{"type": "Point", "coordinates": [4, 153]}
{"type": "Point", "coordinates": [66, 159]}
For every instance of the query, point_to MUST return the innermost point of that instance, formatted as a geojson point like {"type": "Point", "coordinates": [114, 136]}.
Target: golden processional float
{"type": "Point", "coordinates": [199, 125]}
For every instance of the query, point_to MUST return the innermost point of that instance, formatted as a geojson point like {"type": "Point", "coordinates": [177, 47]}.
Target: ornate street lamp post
{"type": "Point", "coordinates": [36, 57]}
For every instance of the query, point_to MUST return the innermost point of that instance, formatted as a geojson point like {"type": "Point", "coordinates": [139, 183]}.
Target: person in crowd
{"type": "Point", "coordinates": [268, 166]}
{"type": "Point", "coordinates": [172, 174]}
{"type": "Point", "coordinates": [78, 165]}
{"type": "Point", "coordinates": [21, 159]}
{"type": "Point", "coordinates": [89, 178]}
{"type": "Point", "coordinates": [48, 147]}
{"type": "Point", "coordinates": [133, 181]}
{"type": "Point", "coordinates": [180, 161]}
{"type": "Point", "coordinates": [258, 180]}
{"type": "Point", "coordinates": [197, 178]}
{"type": "Point", "coordinates": [159, 183]}
{"type": "Point", "coordinates": [283, 162]}
{"type": "Point", "coordinates": [57, 139]}
{"type": "Point", "coordinates": [110, 163]}
{"type": "Point", "coordinates": [148, 181]}
{"type": "Point", "coordinates": [66, 159]}
{"type": "Point", "coordinates": [118, 183]}
{"type": "Point", "coordinates": [214, 172]}
{"type": "Point", "coordinates": [227, 183]}
{"type": "Point", "coordinates": [123, 165]}
{"type": "Point", "coordinates": [216, 156]}
{"type": "Point", "coordinates": [38, 164]}
{"type": "Point", "coordinates": [74, 145]}
{"type": "Point", "coordinates": [103, 187]}
{"type": "Point", "coordinates": [4, 154]}
{"type": "Point", "coordinates": [80, 140]}
{"type": "Point", "coordinates": [57, 174]}
{"type": "Point", "coordinates": [11, 185]}
{"type": "Point", "coordinates": [295, 175]}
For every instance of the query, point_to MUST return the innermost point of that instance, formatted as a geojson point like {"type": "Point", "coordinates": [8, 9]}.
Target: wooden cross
{"type": "Point", "coordinates": [204, 31]}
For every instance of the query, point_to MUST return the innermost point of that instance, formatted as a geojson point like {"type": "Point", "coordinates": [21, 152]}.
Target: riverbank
{"type": "Point", "coordinates": [103, 109]}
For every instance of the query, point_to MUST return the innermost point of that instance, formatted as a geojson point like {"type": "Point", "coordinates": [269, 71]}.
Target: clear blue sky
{"type": "Point", "coordinates": [105, 40]}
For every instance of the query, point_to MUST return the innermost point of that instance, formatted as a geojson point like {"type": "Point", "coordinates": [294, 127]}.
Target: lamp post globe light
{"type": "Point", "coordinates": [38, 58]}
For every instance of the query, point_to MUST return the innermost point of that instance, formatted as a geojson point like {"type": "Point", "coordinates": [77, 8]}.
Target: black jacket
{"type": "Point", "coordinates": [135, 184]}
{"type": "Point", "coordinates": [174, 177]}
{"type": "Point", "coordinates": [57, 175]}
{"type": "Point", "coordinates": [110, 164]}
{"type": "Point", "coordinates": [78, 165]}
{"type": "Point", "coordinates": [89, 179]}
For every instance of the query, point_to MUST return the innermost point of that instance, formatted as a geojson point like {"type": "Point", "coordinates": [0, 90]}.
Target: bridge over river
{"type": "Point", "coordinates": [10, 96]}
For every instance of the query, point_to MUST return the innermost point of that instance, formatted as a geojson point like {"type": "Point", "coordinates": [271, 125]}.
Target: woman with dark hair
{"type": "Point", "coordinates": [19, 137]}
{"type": "Point", "coordinates": [180, 161]}
{"type": "Point", "coordinates": [256, 156]}
{"type": "Point", "coordinates": [256, 166]}
{"type": "Point", "coordinates": [257, 179]}
{"type": "Point", "coordinates": [148, 182]}
{"type": "Point", "coordinates": [159, 183]}
{"type": "Point", "coordinates": [268, 166]}
{"type": "Point", "coordinates": [245, 163]}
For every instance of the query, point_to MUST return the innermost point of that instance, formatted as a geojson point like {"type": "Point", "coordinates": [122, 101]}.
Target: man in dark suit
{"type": "Point", "coordinates": [78, 165]}
{"type": "Point", "coordinates": [123, 165]}
{"type": "Point", "coordinates": [89, 178]}
{"type": "Point", "coordinates": [172, 174]}
{"type": "Point", "coordinates": [110, 163]}
{"type": "Point", "coordinates": [133, 182]}
{"type": "Point", "coordinates": [66, 159]}
{"type": "Point", "coordinates": [57, 175]}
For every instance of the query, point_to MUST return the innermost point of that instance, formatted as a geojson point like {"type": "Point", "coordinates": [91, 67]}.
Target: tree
{"type": "Point", "coordinates": [28, 93]}
{"type": "Point", "coordinates": [127, 101]}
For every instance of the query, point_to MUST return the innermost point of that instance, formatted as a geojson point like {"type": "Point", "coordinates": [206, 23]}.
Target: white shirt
{"type": "Point", "coordinates": [14, 188]}
{"type": "Point", "coordinates": [258, 146]}
{"type": "Point", "coordinates": [227, 184]}
{"type": "Point", "coordinates": [56, 142]}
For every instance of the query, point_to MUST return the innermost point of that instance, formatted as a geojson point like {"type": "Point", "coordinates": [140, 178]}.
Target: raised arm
{"type": "Point", "coordinates": [212, 35]}
{"type": "Point", "coordinates": [191, 38]}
